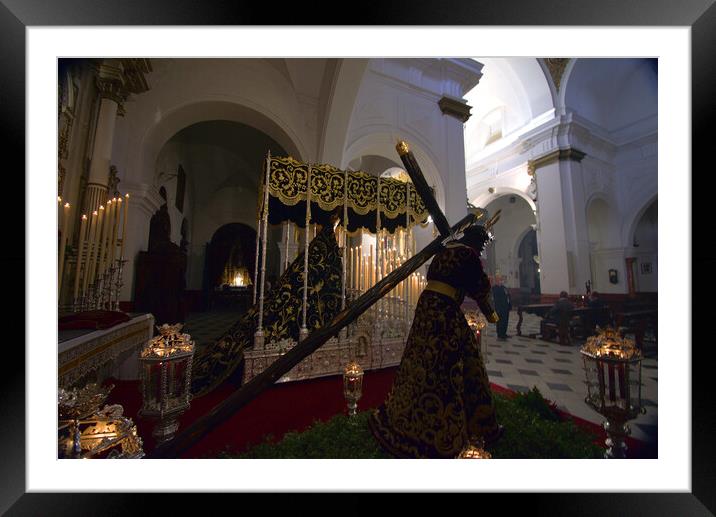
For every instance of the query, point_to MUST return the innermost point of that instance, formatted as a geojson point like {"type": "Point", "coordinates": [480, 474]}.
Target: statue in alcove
{"type": "Point", "coordinates": [161, 270]}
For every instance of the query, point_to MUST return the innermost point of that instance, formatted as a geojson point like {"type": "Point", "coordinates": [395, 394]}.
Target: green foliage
{"type": "Point", "coordinates": [532, 430]}
{"type": "Point", "coordinates": [340, 437]}
{"type": "Point", "coordinates": [533, 400]}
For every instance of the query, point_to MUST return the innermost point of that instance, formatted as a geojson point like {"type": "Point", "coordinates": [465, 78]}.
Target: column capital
{"type": "Point", "coordinates": [569, 153]}
{"type": "Point", "coordinates": [144, 196]}
{"type": "Point", "coordinates": [118, 78]}
{"type": "Point", "coordinates": [456, 108]}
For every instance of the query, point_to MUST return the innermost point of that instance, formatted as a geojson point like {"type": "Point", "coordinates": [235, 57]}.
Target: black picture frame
{"type": "Point", "coordinates": [700, 15]}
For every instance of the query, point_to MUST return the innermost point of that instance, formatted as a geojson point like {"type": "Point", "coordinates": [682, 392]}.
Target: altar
{"type": "Point", "coordinates": [86, 355]}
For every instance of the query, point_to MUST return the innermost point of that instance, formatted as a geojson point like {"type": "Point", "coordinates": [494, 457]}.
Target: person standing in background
{"type": "Point", "coordinates": [503, 305]}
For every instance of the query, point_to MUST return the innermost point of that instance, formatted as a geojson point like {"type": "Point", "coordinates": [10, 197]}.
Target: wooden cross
{"type": "Point", "coordinates": [200, 427]}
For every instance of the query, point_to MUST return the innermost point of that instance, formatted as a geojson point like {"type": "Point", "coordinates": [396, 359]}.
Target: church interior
{"type": "Point", "coordinates": [216, 216]}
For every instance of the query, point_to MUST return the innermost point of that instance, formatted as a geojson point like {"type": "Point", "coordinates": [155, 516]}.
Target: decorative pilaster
{"type": "Point", "coordinates": [116, 79]}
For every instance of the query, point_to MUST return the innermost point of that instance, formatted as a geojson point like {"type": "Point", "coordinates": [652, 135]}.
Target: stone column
{"type": "Point", "coordinates": [457, 113]}
{"type": "Point", "coordinates": [144, 202]}
{"type": "Point", "coordinates": [559, 256]}
{"type": "Point", "coordinates": [110, 83]}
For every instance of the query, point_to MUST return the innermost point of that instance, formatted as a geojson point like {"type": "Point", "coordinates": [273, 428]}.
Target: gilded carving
{"type": "Point", "coordinates": [556, 67]}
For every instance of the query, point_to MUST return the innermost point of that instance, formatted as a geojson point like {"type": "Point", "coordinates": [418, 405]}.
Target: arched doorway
{"type": "Point", "coordinates": [229, 266]}
{"type": "Point", "coordinates": [529, 266]}
{"type": "Point", "coordinates": [512, 252]}
{"type": "Point", "coordinates": [645, 246]}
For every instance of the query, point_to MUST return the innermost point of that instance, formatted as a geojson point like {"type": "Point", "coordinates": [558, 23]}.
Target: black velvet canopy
{"type": "Point", "coordinates": [288, 181]}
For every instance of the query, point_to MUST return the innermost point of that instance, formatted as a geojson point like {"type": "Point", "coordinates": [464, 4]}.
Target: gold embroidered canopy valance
{"type": "Point", "coordinates": [288, 189]}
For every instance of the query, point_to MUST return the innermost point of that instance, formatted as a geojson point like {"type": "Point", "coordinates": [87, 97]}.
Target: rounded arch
{"type": "Point", "coordinates": [510, 95]}
{"type": "Point", "coordinates": [232, 244]}
{"type": "Point", "coordinates": [517, 219]}
{"type": "Point", "coordinates": [344, 91]}
{"type": "Point", "coordinates": [602, 221]}
{"type": "Point", "coordinates": [633, 218]}
{"type": "Point", "coordinates": [247, 113]}
{"type": "Point", "coordinates": [486, 198]}
{"type": "Point", "coordinates": [383, 144]}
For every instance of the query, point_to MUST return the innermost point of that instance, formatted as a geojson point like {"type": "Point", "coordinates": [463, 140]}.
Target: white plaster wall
{"type": "Point", "coordinates": [398, 99]}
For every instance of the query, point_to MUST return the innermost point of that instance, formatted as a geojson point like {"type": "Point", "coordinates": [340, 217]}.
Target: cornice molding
{"type": "Point", "coordinates": [455, 108]}
{"type": "Point", "coordinates": [554, 156]}
{"type": "Point", "coordinates": [144, 196]}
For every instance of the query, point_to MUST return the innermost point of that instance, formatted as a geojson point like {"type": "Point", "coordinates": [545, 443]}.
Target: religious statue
{"type": "Point", "coordinates": [441, 402]}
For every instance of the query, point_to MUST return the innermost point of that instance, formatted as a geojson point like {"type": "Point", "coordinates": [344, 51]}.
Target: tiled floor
{"type": "Point", "coordinates": [518, 364]}
{"type": "Point", "coordinates": [206, 327]}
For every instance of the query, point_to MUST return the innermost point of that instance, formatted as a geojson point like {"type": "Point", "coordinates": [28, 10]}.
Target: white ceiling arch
{"type": "Point", "coordinates": [516, 88]}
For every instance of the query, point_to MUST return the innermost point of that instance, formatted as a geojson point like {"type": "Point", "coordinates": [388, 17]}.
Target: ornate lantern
{"type": "Point", "coordinates": [166, 375]}
{"type": "Point", "coordinates": [475, 452]}
{"type": "Point", "coordinates": [612, 365]}
{"type": "Point", "coordinates": [352, 385]}
{"type": "Point", "coordinates": [477, 322]}
{"type": "Point", "coordinates": [85, 431]}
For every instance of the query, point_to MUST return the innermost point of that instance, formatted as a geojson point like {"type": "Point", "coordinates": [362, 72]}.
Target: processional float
{"type": "Point", "coordinates": [198, 429]}
{"type": "Point", "coordinates": [302, 196]}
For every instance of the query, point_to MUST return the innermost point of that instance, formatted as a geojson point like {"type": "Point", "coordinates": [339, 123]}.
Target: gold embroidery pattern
{"type": "Point", "coordinates": [441, 399]}
{"type": "Point", "coordinates": [288, 183]}
{"type": "Point", "coordinates": [282, 313]}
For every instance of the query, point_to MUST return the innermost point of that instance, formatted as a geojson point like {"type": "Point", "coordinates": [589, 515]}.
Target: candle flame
{"type": "Point", "coordinates": [127, 196]}
{"type": "Point", "coordinates": [94, 212]}
{"type": "Point", "coordinates": [67, 205]}
{"type": "Point", "coordinates": [101, 207]}
{"type": "Point", "coordinates": [84, 216]}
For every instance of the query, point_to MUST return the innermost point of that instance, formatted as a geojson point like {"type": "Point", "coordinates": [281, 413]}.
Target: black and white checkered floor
{"type": "Point", "coordinates": [519, 363]}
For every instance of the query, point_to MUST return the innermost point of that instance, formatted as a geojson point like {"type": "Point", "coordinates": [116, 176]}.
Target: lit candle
{"type": "Point", "coordinates": [115, 227]}
{"type": "Point", "coordinates": [103, 238]}
{"type": "Point", "coordinates": [80, 247]}
{"type": "Point", "coordinates": [63, 243]}
{"type": "Point", "coordinates": [97, 246]}
{"type": "Point", "coordinates": [371, 275]}
{"type": "Point", "coordinates": [124, 227]}
{"type": "Point", "coordinates": [350, 272]}
{"type": "Point", "coordinates": [108, 237]}
{"type": "Point", "coordinates": [90, 250]}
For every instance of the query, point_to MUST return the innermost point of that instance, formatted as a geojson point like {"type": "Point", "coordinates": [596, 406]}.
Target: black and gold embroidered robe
{"type": "Point", "coordinates": [441, 399]}
{"type": "Point", "coordinates": [282, 313]}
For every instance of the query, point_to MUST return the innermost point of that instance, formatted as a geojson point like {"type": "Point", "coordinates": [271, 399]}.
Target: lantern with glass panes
{"type": "Point", "coordinates": [166, 376]}
{"type": "Point", "coordinates": [352, 385]}
{"type": "Point", "coordinates": [612, 366]}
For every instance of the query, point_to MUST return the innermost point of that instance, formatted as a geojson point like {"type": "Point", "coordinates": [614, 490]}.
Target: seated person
{"type": "Point", "coordinates": [560, 306]}
{"type": "Point", "coordinates": [558, 317]}
{"type": "Point", "coordinates": [596, 302]}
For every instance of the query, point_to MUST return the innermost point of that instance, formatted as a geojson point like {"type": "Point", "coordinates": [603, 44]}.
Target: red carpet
{"type": "Point", "coordinates": [294, 406]}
